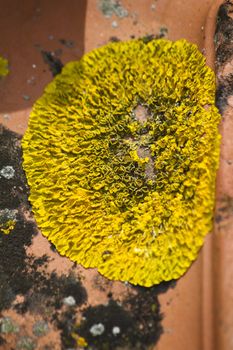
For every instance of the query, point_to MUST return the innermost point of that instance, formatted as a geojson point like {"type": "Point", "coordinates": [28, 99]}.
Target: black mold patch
{"type": "Point", "coordinates": [13, 194]}
{"type": "Point", "coordinates": [54, 63]}
{"type": "Point", "coordinates": [67, 43]}
{"type": "Point", "coordinates": [225, 209]}
{"type": "Point", "coordinates": [137, 320]}
{"type": "Point", "coordinates": [224, 90]}
{"type": "Point", "coordinates": [147, 38]}
{"type": "Point", "coordinates": [24, 275]}
{"type": "Point", "coordinates": [224, 52]}
{"type": "Point", "coordinates": [223, 33]}
{"type": "Point", "coordinates": [109, 316]}
{"type": "Point", "coordinates": [114, 39]}
{"type": "Point", "coordinates": [162, 33]}
{"type": "Point", "coordinates": [13, 191]}
{"type": "Point", "coordinates": [2, 341]}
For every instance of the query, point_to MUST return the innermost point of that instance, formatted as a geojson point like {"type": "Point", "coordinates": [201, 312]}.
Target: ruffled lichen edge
{"type": "Point", "coordinates": [80, 134]}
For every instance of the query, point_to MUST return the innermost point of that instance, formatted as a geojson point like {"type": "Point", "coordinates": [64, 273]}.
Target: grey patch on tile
{"type": "Point", "coordinates": [8, 214]}
{"type": "Point", "coordinates": [114, 24]}
{"type": "Point", "coordinates": [69, 301]}
{"type": "Point", "coordinates": [26, 343]}
{"type": "Point", "coordinates": [8, 172]}
{"type": "Point", "coordinates": [31, 81]}
{"type": "Point", "coordinates": [97, 329]}
{"type": "Point", "coordinates": [26, 97]}
{"type": "Point", "coordinates": [8, 326]}
{"type": "Point", "coordinates": [40, 328]}
{"type": "Point", "coordinates": [112, 7]}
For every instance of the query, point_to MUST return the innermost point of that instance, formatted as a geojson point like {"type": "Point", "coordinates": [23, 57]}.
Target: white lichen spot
{"type": "Point", "coordinates": [8, 172]}
{"type": "Point", "coordinates": [97, 329]}
{"type": "Point", "coordinates": [116, 330]}
{"type": "Point", "coordinates": [69, 301]}
{"type": "Point", "coordinates": [114, 24]}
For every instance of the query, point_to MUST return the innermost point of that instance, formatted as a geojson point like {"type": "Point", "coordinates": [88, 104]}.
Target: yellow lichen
{"type": "Point", "coordinates": [81, 342]}
{"type": "Point", "coordinates": [121, 155]}
{"type": "Point", "coordinates": [7, 227]}
{"type": "Point", "coordinates": [3, 67]}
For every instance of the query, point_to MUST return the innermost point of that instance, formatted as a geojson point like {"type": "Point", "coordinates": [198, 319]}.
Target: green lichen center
{"type": "Point", "coordinates": [132, 157]}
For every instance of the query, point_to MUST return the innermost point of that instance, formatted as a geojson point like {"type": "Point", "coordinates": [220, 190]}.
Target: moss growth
{"type": "Point", "coordinates": [3, 67]}
{"type": "Point", "coordinates": [121, 155]}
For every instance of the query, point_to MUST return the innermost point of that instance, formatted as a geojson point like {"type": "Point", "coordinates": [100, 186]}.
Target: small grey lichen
{"type": "Point", "coordinates": [8, 172]}
{"type": "Point", "coordinates": [8, 326]}
{"type": "Point", "coordinates": [116, 330]}
{"type": "Point", "coordinates": [69, 301]}
{"type": "Point", "coordinates": [26, 343]}
{"type": "Point", "coordinates": [97, 329]}
{"type": "Point", "coordinates": [26, 97]}
{"type": "Point", "coordinates": [8, 214]}
{"type": "Point", "coordinates": [114, 24]}
{"type": "Point", "coordinates": [110, 7]}
{"type": "Point", "coordinates": [40, 328]}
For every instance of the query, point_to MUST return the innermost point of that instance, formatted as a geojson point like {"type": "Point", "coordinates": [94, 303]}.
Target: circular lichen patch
{"type": "Point", "coordinates": [121, 155]}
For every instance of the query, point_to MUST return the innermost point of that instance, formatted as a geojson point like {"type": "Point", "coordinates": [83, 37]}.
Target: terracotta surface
{"type": "Point", "coordinates": [196, 312]}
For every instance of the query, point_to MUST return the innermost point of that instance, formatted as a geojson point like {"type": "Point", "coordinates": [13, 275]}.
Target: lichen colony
{"type": "Point", "coordinates": [121, 155]}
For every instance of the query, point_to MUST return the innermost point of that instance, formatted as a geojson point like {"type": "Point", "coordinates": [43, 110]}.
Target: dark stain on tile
{"type": "Point", "coordinates": [224, 53]}
{"type": "Point", "coordinates": [54, 63]}
{"type": "Point", "coordinates": [134, 323]}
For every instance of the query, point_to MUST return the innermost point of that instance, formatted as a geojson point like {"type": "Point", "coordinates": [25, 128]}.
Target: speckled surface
{"type": "Point", "coordinates": [35, 280]}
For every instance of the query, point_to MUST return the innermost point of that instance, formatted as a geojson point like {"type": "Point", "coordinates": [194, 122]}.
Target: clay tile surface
{"type": "Point", "coordinates": [46, 300]}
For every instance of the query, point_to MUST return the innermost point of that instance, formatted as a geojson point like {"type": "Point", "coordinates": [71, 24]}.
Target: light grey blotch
{"type": "Point", "coordinates": [116, 330]}
{"type": "Point", "coordinates": [69, 301]}
{"type": "Point", "coordinates": [26, 97]}
{"type": "Point", "coordinates": [114, 24]}
{"type": "Point", "coordinates": [26, 343]}
{"type": "Point", "coordinates": [97, 329]}
{"type": "Point", "coordinates": [8, 172]}
{"type": "Point", "coordinates": [112, 7]}
{"type": "Point", "coordinates": [8, 326]}
{"type": "Point", "coordinates": [40, 328]}
{"type": "Point", "coordinates": [8, 214]}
